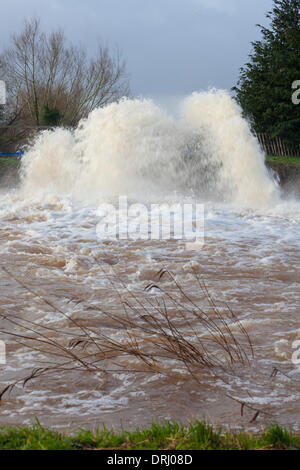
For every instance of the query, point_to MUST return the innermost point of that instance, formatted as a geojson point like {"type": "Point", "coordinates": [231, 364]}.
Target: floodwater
{"type": "Point", "coordinates": [61, 278]}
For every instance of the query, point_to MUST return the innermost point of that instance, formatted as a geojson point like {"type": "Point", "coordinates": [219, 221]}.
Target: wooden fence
{"type": "Point", "coordinates": [275, 146]}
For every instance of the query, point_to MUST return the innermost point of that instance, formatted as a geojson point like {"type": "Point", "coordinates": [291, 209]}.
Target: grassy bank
{"type": "Point", "coordinates": [9, 162]}
{"type": "Point", "coordinates": [168, 436]}
{"type": "Point", "coordinates": [9, 171]}
{"type": "Point", "coordinates": [288, 161]}
{"type": "Point", "coordinates": [9, 165]}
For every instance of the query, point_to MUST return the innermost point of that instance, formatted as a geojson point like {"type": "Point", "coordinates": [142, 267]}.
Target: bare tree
{"type": "Point", "coordinates": [49, 79]}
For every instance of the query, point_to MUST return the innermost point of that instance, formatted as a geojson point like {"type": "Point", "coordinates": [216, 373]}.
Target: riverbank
{"type": "Point", "coordinates": [9, 175]}
{"type": "Point", "coordinates": [287, 170]}
{"type": "Point", "coordinates": [168, 436]}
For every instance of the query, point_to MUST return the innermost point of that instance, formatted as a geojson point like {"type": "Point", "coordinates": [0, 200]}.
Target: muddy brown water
{"type": "Point", "coordinates": [61, 277]}
{"type": "Point", "coordinates": [250, 260]}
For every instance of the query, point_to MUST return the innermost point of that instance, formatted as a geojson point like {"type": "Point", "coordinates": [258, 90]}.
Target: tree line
{"type": "Point", "coordinates": [268, 89]}
{"type": "Point", "coordinates": [51, 82]}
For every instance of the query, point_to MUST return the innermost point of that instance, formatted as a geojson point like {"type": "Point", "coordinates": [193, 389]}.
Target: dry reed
{"type": "Point", "coordinates": [164, 326]}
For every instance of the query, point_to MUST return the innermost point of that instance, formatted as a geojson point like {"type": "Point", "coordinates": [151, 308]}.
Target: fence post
{"type": "Point", "coordinates": [276, 146]}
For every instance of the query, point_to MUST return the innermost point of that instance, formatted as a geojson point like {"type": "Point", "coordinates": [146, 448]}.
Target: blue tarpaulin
{"type": "Point", "coordinates": [17, 154]}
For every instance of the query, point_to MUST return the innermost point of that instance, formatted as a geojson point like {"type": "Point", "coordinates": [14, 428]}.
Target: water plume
{"type": "Point", "coordinates": [135, 148]}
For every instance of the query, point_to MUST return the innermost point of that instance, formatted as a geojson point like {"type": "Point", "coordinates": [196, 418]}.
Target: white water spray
{"type": "Point", "coordinates": [135, 148]}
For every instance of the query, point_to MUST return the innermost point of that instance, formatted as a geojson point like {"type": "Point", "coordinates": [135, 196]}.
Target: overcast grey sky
{"type": "Point", "coordinates": [172, 47]}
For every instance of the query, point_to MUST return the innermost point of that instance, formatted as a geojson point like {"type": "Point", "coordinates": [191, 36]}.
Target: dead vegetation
{"type": "Point", "coordinates": [159, 328]}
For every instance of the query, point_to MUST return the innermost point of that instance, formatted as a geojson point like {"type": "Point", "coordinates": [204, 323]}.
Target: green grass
{"type": "Point", "coordinates": [290, 161]}
{"type": "Point", "coordinates": [8, 162]}
{"type": "Point", "coordinates": [167, 436]}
